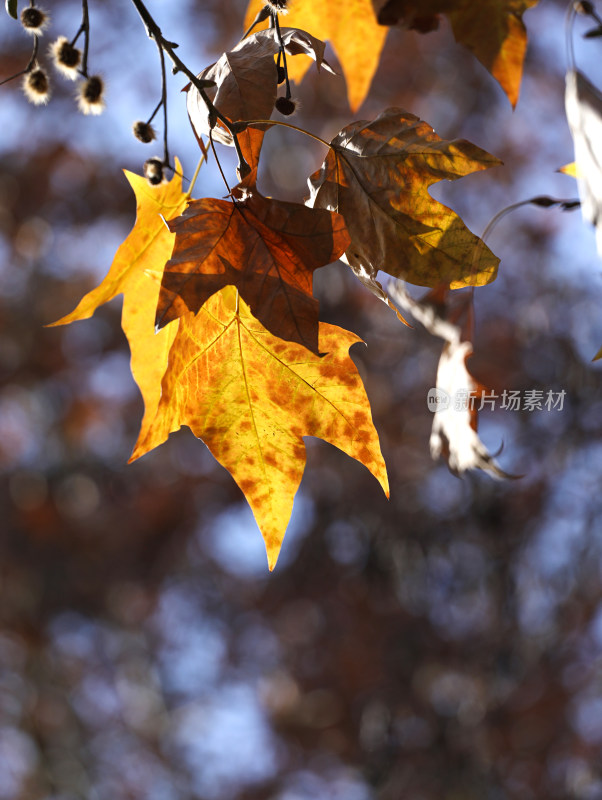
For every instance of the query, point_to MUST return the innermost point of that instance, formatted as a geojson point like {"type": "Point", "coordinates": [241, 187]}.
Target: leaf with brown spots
{"type": "Point", "coordinates": [267, 248]}
{"type": "Point", "coordinates": [491, 29]}
{"type": "Point", "coordinates": [136, 273]}
{"type": "Point", "coordinates": [251, 397]}
{"type": "Point", "coordinates": [377, 175]}
{"type": "Point", "coordinates": [351, 27]}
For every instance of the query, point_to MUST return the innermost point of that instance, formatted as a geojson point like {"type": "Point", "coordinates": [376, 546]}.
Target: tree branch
{"type": "Point", "coordinates": [154, 32]}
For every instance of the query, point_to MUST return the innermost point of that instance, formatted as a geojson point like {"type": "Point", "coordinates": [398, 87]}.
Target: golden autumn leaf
{"type": "Point", "coordinates": [136, 273]}
{"type": "Point", "coordinates": [269, 249]}
{"type": "Point", "coordinates": [352, 29]}
{"type": "Point", "coordinates": [251, 397]}
{"type": "Point", "coordinates": [377, 175]}
{"type": "Point", "coordinates": [491, 29]}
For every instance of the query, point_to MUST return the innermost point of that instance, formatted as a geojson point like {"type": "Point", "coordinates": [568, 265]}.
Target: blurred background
{"type": "Point", "coordinates": [443, 645]}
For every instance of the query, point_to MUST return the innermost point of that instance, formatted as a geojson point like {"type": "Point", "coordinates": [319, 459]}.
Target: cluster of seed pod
{"type": "Point", "coordinates": [67, 60]}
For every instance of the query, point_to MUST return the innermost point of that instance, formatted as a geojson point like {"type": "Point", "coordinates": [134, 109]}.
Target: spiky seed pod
{"type": "Point", "coordinates": [153, 171]}
{"type": "Point", "coordinates": [34, 20]}
{"type": "Point", "coordinates": [90, 97]}
{"type": "Point", "coordinates": [279, 6]}
{"type": "Point", "coordinates": [144, 132]}
{"type": "Point", "coordinates": [286, 105]}
{"type": "Point", "coordinates": [37, 86]}
{"type": "Point", "coordinates": [66, 57]}
{"type": "Point", "coordinates": [281, 74]}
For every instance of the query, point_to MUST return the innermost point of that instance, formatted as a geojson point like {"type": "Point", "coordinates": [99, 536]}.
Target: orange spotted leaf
{"type": "Point", "coordinates": [252, 397]}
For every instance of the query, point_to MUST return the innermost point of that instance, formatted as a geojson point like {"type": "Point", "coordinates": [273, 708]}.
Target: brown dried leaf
{"type": "Point", "coordinates": [377, 176]}
{"type": "Point", "coordinates": [352, 29]}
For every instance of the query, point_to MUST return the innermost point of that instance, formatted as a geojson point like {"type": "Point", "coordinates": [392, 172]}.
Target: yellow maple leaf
{"type": "Point", "coordinates": [352, 29]}
{"type": "Point", "coordinates": [136, 273]}
{"type": "Point", "coordinates": [251, 397]}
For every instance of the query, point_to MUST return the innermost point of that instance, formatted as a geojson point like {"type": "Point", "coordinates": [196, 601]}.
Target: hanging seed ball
{"type": "Point", "coordinates": [34, 20]}
{"type": "Point", "coordinates": [281, 74]}
{"type": "Point", "coordinates": [286, 106]}
{"type": "Point", "coordinates": [37, 86]}
{"type": "Point", "coordinates": [66, 57]}
{"type": "Point", "coordinates": [90, 98]}
{"type": "Point", "coordinates": [153, 171]}
{"type": "Point", "coordinates": [279, 6]}
{"type": "Point", "coordinates": [144, 132]}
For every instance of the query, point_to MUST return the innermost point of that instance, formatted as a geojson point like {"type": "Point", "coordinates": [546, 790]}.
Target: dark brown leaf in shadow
{"type": "Point", "coordinates": [267, 248]}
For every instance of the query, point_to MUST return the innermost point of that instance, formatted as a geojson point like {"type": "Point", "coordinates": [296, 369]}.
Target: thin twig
{"type": "Point", "coordinates": [283, 52]}
{"type": "Point", "coordinates": [154, 32]}
{"type": "Point", "coordinates": [164, 104]}
{"type": "Point", "coordinates": [30, 64]}
{"type": "Point", "coordinates": [86, 30]}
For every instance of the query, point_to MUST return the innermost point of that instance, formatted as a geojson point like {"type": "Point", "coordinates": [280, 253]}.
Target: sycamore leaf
{"type": "Point", "coordinates": [136, 273]}
{"type": "Point", "coordinates": [454, 433]}
{"type": "Point", "coordinates": [491, 29]}
{"type": "Point", "coordinates": [251, 397]}
{"type": "Point", "coordinates": [267, 248]}
{"type": "Point", "coordinates": [377, 175]}
{"type": "Point", "coordinates": [245, 85]}
{"type": "Point", "coordinates": [246, 82]}
{"type": "Point", "coordinates": [584, 114]}
{"type": "Point", "coordinates": [352, 29]}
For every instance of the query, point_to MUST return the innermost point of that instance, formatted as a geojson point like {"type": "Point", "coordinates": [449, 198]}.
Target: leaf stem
{"type": "Point", "coordinates": [286, 125]}
{"type": "Point", "coordinates": [219, 166]}
{"type": "Point", "coordinates": [196, 175]}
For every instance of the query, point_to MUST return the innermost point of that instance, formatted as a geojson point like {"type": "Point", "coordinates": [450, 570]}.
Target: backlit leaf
{"type": "Point", "coordinates": [267, 248]}
{"type": "Point", "coordinates": [136, 273]}
{"type": "Point", "coordinates": [251, 397]}
{"type": "Point", "coordinates": [352, 29]}
{"type": "Point", "coordinates": [245, 87]}
{"type": "Point", "coordinates": [491, 29]}
{"type": "Point", "coordinates": [377, 175]}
